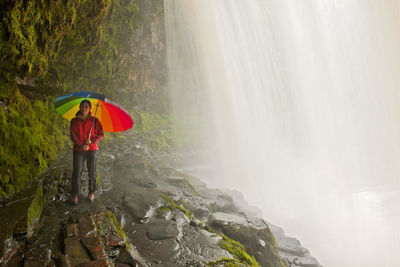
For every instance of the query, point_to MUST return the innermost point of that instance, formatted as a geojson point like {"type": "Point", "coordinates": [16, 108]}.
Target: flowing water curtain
{"type": "Point", "coordinates": [304, 102]}
{"type": "Point", "coordinates": [235, 66]}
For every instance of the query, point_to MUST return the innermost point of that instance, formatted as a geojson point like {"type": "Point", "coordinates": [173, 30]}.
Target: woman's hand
{"type": "Point", "coordinates": [86, 145]}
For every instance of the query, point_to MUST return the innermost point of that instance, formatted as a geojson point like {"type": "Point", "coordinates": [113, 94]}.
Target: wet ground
{"type": "Point", "coordinates": [146, 213]}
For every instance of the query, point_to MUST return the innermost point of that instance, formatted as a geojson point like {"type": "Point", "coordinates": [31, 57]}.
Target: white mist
{"type": "Point", "coordinates": [300, 101]}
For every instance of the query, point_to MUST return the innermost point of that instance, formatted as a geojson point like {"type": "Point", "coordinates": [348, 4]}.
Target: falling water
{"type": "Point", "coordinates": [299, 107]}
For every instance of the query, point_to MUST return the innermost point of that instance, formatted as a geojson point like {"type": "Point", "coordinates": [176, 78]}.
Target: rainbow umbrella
{"type": "Point", "coordinates": [113, 117]}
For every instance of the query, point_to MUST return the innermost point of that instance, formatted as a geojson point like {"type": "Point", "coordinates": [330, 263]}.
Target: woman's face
{"type": "Point", "coordinates": [85, 109]}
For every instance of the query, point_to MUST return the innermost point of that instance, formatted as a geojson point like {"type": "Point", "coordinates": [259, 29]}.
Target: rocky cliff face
{"type": "Point", "coordinates": [148, 76]}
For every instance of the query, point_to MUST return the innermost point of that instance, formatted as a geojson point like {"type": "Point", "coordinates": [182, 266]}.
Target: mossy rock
{"type": "Point", "coordinates": [257, 243]}
{"type": "Point", "coordinates": [33, 134]}
{"type": "Point", "coordinates": [226, 262]}
{"type": "Point", "coordinates": [109, 229]}
{"type": "Point", "coordinates": [35, 210]}
{"type": "Point", "coordinates": [172, 205]}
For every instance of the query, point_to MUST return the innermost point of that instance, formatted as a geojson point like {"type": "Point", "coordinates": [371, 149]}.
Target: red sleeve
{"type": "Point", "coordinates": [74, 131]}
{"type": "Point", "coordinates": [98, 134]}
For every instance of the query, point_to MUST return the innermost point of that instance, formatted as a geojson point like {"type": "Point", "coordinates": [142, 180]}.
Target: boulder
{"type": "Point", "coordinates": [71, 230]}
{"type": "Point", "coordinates": [259, 242]}
{"type": "Point", "coordinates": [75, 251]}
{"type": "Point", "coordinates": [201, 212]}
{"type": "Point", "coordinates": [86, 225]}
{"type": "Point", "coordinates": [93, 245]}
{"type": "Point", "coordinates": [162, 229]}
{"type": "Point", "coordinates": [228, 218]}
{"type": "Point", "coordinates": [138, 209]}
{"type": "Point", "coordinates": [125, 257]}
{"type": "Point", "coordinates": [64, 261]}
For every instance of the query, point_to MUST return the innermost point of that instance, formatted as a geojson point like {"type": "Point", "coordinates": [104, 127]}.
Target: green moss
{"type": "Point", "coordinates": [64, 46]}
{"type": "Point", "coordinates": [187, 179]}
{"type": "Point", "coordinates": [106, 222]}
{"type": "Point", "coordinates": [271, 238]}
{"type": "Point", "coordinates": [225, 262]}
{"type": "Point", "coordinates": [164, 209]}
{"type": "Point", "coordinates": [172, 205]}
{"type": "Point", "coordinates": [32, 135]}
{"type": "Point", "coordinates": [35, 209]}
{"type": "Point", "coordinates": [95, 56]}
{"type": "Point", "coordinates": [115, 222]}
{"type": "Point", "coordinates": [235, 236]}
{"type": "Point", "coordinates": [98, 182]}
{"type": "Point", "coordinates": [68, 44]}
{"type": "Point", "coordinates": [235, 248]}
{"type": "Point", "coordinates": [113, 138]}
{"type": "Point", "coordinates": [238, 251]}
{"type": "Point", "coordinates": [156, 130]}
{"type": "Point", "coordinates": [162, 131]}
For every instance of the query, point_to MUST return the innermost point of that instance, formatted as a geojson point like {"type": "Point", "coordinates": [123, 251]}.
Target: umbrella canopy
{"type": "Point", "coordinates": [112, 116]}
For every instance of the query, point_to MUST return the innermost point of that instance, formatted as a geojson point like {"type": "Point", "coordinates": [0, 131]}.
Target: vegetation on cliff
{"type": "Point", "coordinates": [31, 136]}
{"type": "Point", "coordinates": [60, 46]}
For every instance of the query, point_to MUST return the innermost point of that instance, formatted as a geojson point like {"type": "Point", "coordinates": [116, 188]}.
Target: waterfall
{"type": "Point", "coordinates": [298, 104]}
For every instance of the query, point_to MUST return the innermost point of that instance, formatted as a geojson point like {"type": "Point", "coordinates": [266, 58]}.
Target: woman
{"type": "Point", "coordinates": [84, 147]}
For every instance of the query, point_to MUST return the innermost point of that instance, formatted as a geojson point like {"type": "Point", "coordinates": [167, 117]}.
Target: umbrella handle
{"type": "Point", "coordinates": [91, 128]}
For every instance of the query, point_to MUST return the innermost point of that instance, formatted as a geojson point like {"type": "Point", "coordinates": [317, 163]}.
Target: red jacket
{"type": "Point", "coordinates": [80, 130]}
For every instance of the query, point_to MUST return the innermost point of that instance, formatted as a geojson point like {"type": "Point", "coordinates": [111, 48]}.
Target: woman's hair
{"type": "Point", "coordinates": [85, 101]}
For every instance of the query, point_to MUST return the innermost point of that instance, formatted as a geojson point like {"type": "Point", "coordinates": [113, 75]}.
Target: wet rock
{"type": "Point", "coordinates": [180, 218]}
{"type": "Point", "coordinates": [162, 229]}
{"type": "Point", "coordinates": [64, 261]}
{"type": "Point", "coordinates": [286, 244]}
{"type": "Point", "coordinates": [75, 251]}
{"type": "Point", "coordinates": [125, 257]}
{"type": "Point", "coordinates": [39, 247]}
{"type": "Point", "coordinates": [144, 182]}
{"type": "Point", "coordinates": [258, 242]}
{"type": "Point", "coordinates": [165, 213]}
{"type": "Point", "coordinates": [35, 263]}
{"type": "Point", "coordinates": [291, 250]}
{"type": "Point", "coordinates": [306, 261]}
{"type": "Point", "coordinates": [113, 240]}
{"type": "Point", "coordinates": [86, 225]}
{"type": "Point", "coordinates": [138, 209]}
{"type": "Point", "coordinates": [201, 212]}
{"type": "Point", "coordinates": [97, 263]}
{"type": "Point", "coordinates": [71, 230]}
{"type": "Point", "coordinates": [140, 261]}
{"type": "Point", "coordinates": [107, 229]}
{"type": "Point", "coordinates": [35, 209]}
{"type": "Point", "coordinates": [226, 218]}
{"type": "Point", "coordinates": [14, 220]}
{"type": "Point", "coordinates": [13, 253]}
{"type": "Point", "coordinates": [198, 245]}
{"type": "Point", "coordinates": [40, 253]}
{"type": "Point", "coordinates": [21, 228]}
{"type": "Point", "coordinates": [195, 223]}
{"type": "Point", "coordinates": [93, 245]}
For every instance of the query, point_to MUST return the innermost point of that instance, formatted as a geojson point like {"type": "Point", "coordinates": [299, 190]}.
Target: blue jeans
{"type": "Point", "coordinates": [78, 163]}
